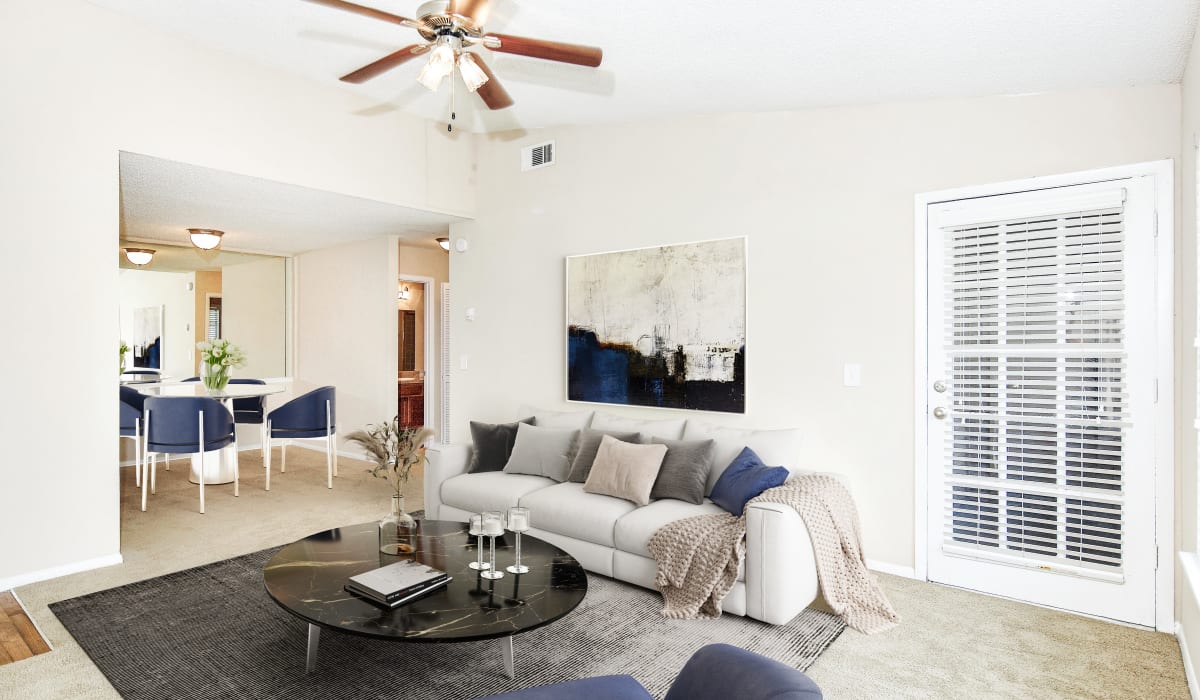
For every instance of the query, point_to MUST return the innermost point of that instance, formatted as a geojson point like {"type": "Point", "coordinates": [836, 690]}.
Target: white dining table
{"type": "Point", "coordinates": [218, 465]}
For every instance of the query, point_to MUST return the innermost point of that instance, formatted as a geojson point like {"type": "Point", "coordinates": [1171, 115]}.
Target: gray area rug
{"type": "Point", "coordinates": [212, 632]}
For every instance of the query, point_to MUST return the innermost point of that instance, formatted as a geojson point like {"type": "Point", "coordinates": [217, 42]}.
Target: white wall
{"type": "Point", "coordinates": [1187, 589]}
{"type": "Point", "coordinates": [105, 83]}
{"type": "Point", "coordinates": [142, 288]}
{"type": "Point", "coordinates": [346, 333]}
{"type": "Point", "coordinates": [253, 315]}
{"type": "Point", "coordinates": [825, 198]}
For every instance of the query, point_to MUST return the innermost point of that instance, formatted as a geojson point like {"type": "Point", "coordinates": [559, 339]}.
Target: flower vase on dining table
{"type": "Point", "coordinates": [396, 529]}
{"type": "Point", "coordinates": [216, 378]}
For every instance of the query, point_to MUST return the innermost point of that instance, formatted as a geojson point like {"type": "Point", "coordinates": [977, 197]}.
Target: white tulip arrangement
{"type": "Point", "coordinates": [219, 357]}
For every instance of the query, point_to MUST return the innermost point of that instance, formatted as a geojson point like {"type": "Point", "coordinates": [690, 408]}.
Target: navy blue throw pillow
{"type": "Point", "coordinates": [745, 478]}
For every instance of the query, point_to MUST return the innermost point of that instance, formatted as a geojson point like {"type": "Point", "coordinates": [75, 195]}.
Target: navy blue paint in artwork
{"type": "Point", "coordinates": [620, 374]}
{"type": "Point", "coordinates": [596, 373]}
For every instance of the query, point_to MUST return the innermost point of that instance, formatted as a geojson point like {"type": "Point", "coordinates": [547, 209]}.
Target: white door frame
{"type": "Point", "coordinates": [430, 285]}
{"type": "Point", "coordinates": [1164, 414]}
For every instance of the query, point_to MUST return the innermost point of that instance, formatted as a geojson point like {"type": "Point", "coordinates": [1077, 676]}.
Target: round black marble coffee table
{"type": "Point", "coordinates": [307, 577]}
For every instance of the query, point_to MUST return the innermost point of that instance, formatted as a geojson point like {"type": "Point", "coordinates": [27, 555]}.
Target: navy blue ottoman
{"type": "Point", "coordinates": [715, 672]}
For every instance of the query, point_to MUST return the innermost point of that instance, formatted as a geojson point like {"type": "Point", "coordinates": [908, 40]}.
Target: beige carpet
{"type": "Point", "coordinates": [951, 644]}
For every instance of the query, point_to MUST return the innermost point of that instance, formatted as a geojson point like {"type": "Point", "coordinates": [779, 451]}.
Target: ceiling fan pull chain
{"type": "Point", "coordinates": [453, 115]}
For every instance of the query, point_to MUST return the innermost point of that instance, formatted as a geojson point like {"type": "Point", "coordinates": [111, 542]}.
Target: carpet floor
{"type": "Point", "coordinates": [951, 643]}
{"type": "Point", "coordinates": [212, 632]}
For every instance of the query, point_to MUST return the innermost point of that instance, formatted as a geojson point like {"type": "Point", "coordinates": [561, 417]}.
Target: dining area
{"type": "Point", "coordinates": [166, 418]}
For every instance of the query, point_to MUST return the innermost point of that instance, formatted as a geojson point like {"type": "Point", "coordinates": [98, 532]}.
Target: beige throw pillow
{"type": "Point", "coordinates": [625, 470]}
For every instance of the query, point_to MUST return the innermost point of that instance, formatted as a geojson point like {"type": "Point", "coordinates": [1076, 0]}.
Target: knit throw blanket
{"type": "Point", "coordinates": [699, 557]}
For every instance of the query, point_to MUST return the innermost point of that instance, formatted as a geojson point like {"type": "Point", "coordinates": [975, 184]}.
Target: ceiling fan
{"type": "Point", "coordinates": [449, 28]}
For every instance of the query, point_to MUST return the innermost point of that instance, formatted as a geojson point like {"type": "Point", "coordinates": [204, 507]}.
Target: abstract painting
{"type": "Point", "coordinates": [147, 337]}
{"type": "Point", "coordinates": [663, 327]}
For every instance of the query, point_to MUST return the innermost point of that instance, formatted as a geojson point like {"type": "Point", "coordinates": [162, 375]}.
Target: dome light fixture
{"type": "Point", "coordinates": [205, 238]}
{"type": "Point", "coordinates": [444, 243]}
{"type": "Point", "coordinates": [139, 256]}
{"type": "Point", "coordinates": [404, 294]}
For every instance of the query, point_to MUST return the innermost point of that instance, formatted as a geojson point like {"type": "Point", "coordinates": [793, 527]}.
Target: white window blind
{"type": "Point", "coordinates": [214, 318]}
{"type": "Point", "coordinates": [1035, 347]}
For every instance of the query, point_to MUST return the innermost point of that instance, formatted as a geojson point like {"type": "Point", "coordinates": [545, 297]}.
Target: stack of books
{"type": "Point", "coordinates": [396, 584]}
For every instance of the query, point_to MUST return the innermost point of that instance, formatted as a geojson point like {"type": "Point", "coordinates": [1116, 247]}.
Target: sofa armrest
{"type": "Point", "coordinates": [720, 671]}
{"type": "Point", "coordinates": [781, 571]}
{"type": "Point", "coordinates": [444, 461]}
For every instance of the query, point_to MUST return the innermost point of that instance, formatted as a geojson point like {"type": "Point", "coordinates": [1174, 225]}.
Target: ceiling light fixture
{"type": "Point", "coordinates": [205, 238]}
{"type": "Point", "coordinates": [470, 71]}
{"type": "Point", "coordinates": [139, 256]}
{"type": "Point", "coordinates": [440, 63]}
{"type": "Point", "coordinates": [444, 243]}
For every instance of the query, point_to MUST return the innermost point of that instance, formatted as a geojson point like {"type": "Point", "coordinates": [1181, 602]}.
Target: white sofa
{"type": "Point", "coordinates": [609, 535]}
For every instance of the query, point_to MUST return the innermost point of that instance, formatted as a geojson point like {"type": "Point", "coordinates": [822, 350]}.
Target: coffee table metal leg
{"type": "Point", "coordinates": [506, 648]}
{"type": "Point", "coordinates": [314, 638]}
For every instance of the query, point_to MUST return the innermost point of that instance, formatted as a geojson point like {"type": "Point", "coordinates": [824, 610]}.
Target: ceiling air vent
{"type": "Point", "coordinates": [537, 156]}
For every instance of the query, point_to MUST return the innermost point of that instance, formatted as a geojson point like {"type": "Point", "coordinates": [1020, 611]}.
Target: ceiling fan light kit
{"type": "Point", "coordinates": [449, 28]}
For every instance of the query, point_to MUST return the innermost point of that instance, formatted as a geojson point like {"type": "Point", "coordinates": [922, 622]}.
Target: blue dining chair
{"type": "Point", "coordinates": [311, 415]}
{"type": "Point", "coordinates": [132, 402]}
{"type": "Point", "coordinates": [249, 411]}
{"type": "Point", "coordinates": [186, 425]}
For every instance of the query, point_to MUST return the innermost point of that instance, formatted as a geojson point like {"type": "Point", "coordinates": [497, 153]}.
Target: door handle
{"type": "Point", "coordinates": [939, 413]}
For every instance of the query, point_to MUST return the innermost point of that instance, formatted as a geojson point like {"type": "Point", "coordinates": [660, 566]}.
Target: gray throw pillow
{"type": "Point", "coordinates": [493, 443]}
{"type": "Point", "coordinates": [542, 452]}
{"type": "Point", "coordinates": [588, 445]}
{"type": "Point", "coordinates": [684, 471]}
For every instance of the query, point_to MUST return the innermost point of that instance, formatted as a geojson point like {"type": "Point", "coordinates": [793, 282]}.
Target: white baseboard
{"type": "Point", "coordinates": [1188, 669]}
{"type": "Point", "coordinates": [62, 570]}
{"type": "Point", "coordinates": [894, 569]}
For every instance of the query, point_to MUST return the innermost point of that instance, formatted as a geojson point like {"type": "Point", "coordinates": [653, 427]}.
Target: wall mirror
{"type": "Point", "coordinates": [185, 295]}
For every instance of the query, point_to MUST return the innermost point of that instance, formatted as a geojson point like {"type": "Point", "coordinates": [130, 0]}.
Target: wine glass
{"type": "Point", "coordinates": [493, 527]}
{"type": "Point", "coordinates": [476, 531]}
{"type": "Point", "coordinates": [518, 522]}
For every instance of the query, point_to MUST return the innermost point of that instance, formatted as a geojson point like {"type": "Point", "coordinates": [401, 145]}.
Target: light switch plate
{"type": "Point", "coordinates": [462, 362]}
{"type": "Point", "coordinates": [852, 374]}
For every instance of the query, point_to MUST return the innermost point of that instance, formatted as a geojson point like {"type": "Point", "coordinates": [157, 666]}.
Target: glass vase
{"type": "Point", "coordinates": [216, 378]}
{"type": "Point", "coordinates": [396, 530]}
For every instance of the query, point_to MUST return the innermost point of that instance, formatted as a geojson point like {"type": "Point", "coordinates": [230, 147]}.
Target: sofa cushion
{"type": "Point", "coordinates": [489, 490]}
{"type": "Point", "coordinates": [542, 452]}
{"type": "Point", "coordinates": [745, 478]}
{"type": "Point", "coordinates": [568, 510]}
{"type": "Point", "coordinates": [586, 448]}
{"type": "Point", "coordinates": [665, 429]}
{"type": "Point", "coordinates": [625, 470]}
{"type": "Point", "coordinates": [575, 420]}
{"type": "Point", "coordinates": [773, 446]}
{"type": "Point", "coordinates": [493, 443]}
{"type": "Point", "coordinates": [684, 472]}
{"type": "Point", "coordinates": [633, 531]}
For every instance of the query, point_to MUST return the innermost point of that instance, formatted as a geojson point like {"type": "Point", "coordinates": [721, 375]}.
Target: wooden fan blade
{"type": "Point", "coordinates": [385, 64]}
{"type": "Point", "coordinates": [492, 92]}
{"type": "Point", "coordinates": [474, 10]}
{"type": "Point", "coordinates": [548, 50]}
{"type": "Point", "coordinates": [368, 12]}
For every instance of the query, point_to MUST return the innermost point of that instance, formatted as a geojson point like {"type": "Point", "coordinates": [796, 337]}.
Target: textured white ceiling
{"type": "Point", "coordinates": [161, 199]}
{"type": "Point", "coordinates": [704, 56]}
